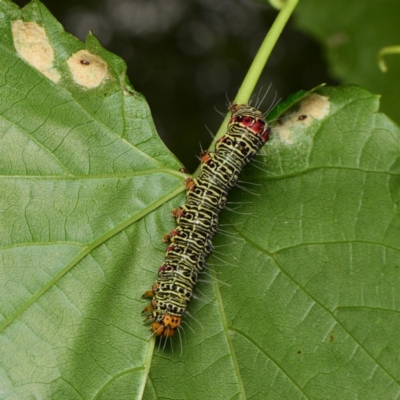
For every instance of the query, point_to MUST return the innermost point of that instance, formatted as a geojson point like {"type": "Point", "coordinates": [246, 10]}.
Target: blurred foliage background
{"type": "Point", "coordinates": [189, 56]}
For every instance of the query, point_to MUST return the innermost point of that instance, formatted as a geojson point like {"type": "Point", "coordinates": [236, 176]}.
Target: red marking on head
{"type": "Point", "coordinates": [258, 126]}
{"type": "Point", "coordinates": [233, 119]}
{"type": "Point", "coordinates": [247, 121]}
{"type": "Point", "coordinates": [266, 134]}
{"type": "Point", "coordinates": [244, 121]}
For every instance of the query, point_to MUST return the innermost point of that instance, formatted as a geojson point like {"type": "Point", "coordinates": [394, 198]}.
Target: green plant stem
{"type": "Point", "coordinates": [261, 58]}
{"type": "Point", "coordinates": [258, 64]}
{"type": "Point", "coordinates": [385, 51]}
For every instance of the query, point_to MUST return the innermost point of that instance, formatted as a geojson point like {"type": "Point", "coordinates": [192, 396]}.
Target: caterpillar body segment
{"type": "Point", "coordinates": [190, 243]}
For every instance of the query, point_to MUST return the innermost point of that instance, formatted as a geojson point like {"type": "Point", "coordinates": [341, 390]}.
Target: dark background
{"type": "Point", "coordinates": [189, 56]}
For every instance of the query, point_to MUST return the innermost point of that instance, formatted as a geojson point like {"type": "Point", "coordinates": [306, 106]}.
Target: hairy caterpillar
{"type": "Point", "coordinates": [197, 220]}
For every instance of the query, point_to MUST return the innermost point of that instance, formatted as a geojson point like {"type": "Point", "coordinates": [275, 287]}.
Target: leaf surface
{"type": "Point", "coordinates": [300, 298]}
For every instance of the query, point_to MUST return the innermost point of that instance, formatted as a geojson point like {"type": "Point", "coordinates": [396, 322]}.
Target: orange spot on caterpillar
{"type": "Point", "coordinates": [177, 212]}
{"type": "Point", "coordinates": [189, 183]}
{"type": "Point", "coordinates": [204, 156]}
{"type": "Point", "coordinates": [149, 293]}
{"type": "Point", "coordinates": [148, 309]}
{"type": "Point", "coordinates": [167, 327]}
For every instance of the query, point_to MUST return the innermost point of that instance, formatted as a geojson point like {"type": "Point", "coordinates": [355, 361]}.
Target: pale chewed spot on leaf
{"type": "Point", "coordinates": [87, 69]}
{"type": "Point", "coordinates": [32, 44]}
{"type": "Point", "coordinates": [313, 107]}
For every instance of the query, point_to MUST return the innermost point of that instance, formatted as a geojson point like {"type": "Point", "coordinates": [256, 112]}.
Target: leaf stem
{"type": "Point", "coordinates": [261, 58]}
{"type": "Point", "coordinates": [258, 64]}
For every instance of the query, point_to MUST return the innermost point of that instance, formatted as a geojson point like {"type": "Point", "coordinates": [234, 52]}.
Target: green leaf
{"type": "Point", "coordinates": [301, 301]}
{"type": "Point", "coordinates": [352, 33]}
{"type": "Point", "coordinates": [82, 171]}
{"type": "Point", "coordinates": [308, 308]}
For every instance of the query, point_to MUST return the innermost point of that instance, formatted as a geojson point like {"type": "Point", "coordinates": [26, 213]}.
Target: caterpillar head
{"type": "Point", "coordinates": [250, 118]}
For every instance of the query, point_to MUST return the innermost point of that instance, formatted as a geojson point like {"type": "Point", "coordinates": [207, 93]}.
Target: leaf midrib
{"type": "Point", "coordinates": [88, 249]}
{"type": "Point", "coordinates": [129, 174]}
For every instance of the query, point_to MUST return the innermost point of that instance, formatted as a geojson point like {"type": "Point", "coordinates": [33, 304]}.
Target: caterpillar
{"type": "Point", "coordinates": [190, 242]}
